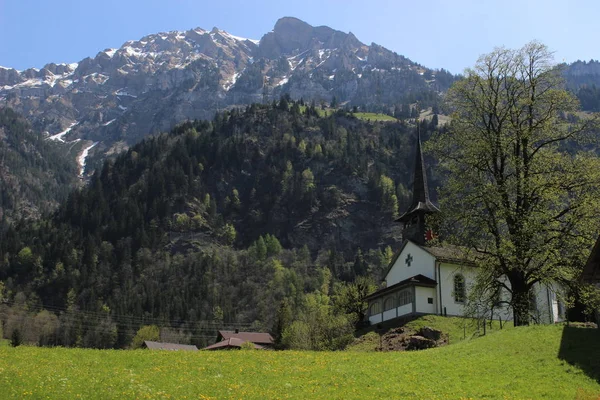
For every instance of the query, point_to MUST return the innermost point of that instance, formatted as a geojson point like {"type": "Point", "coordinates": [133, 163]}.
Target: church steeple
{"type": "Point", "coordinates": [414, 217]}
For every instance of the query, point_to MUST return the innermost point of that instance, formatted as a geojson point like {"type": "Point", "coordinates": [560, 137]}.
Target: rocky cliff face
{"type": "Point", "coordinates": [148, 85]}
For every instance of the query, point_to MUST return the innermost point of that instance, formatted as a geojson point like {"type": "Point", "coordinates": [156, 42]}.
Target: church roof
{"type": "Point", "coordinates": [420, 201]}
{"type": "Point", "coordinates": [417, 280]}
{"type": "Point", "coordinates": [450, 253]}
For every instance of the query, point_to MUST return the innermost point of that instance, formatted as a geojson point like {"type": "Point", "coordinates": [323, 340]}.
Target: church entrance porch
{"type": "Point", "coordinates": [411, 296]}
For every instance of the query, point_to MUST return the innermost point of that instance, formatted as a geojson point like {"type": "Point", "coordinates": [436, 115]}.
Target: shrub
{"type": "Point", "coordinates": [15, 338]}
{"type": "Point", "coordinates": [247, 346]}
{"type": "Point", "coordinates": [146, 332]}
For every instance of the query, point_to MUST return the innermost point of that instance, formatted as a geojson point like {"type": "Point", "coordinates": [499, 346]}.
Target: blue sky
{"type": "Point", "coordinates": [435, 33]}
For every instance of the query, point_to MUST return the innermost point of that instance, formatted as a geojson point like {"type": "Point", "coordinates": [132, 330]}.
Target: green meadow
{"type": "Point", "coordinates": [374, 117]}
{"type": "Point", "coordinates": [367, 116]}
{"type": "Point", "coordinates": [553, 362]}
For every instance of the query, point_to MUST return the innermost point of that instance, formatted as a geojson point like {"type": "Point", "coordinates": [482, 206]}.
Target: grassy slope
{"type": "Point", "coordinates": [428, 115]}
{"type": "Point", "coordinates": [458, 329]}
{"type": "Point", "coordinates": [374, 117]}
{"type": "Point", "coordinates": [361, 115]}
{"type": "Point", "coordinates": [512, 363]}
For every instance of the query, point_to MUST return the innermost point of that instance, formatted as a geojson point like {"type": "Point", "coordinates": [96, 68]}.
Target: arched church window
{"type": "Point", "coordinates": [459, 288]}
{"type": "Point", "coordinates": [404, 297]}
{"type": "Point", "coordinates": [375, 308]}
{"type": "Point", "coordinates": [389, 303]}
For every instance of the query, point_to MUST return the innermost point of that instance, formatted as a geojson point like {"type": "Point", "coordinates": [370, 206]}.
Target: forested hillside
{"type": "Point", "coordinates": [583, 79]}
{"type": "Point", "coordinates": [34, 173]}
{"type": "Point", "coordinates": [220, 222]}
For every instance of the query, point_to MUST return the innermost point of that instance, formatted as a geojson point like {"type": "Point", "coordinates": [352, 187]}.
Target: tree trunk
{"type": "Point", "coordinates": [520, 300]}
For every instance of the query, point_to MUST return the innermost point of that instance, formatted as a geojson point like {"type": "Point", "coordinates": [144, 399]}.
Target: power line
{"type": "Point", "coordinates": [89, 320]}
{"type": "Point", "coordinates": [132, 321]}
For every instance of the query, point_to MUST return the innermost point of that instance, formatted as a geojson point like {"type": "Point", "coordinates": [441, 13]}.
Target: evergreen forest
{"type": "Point", "coordinates": [270, 217]}
{"type": "Point", "coordinates": [34, 173]}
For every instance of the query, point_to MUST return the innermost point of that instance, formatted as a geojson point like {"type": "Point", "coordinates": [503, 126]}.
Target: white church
{"type": "Point", "coordinates": [425, 279]}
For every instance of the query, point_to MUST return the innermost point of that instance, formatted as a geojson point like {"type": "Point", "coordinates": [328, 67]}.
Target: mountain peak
{"type": "Point", "coordinates": [292, 35]}
{"type": "Point", "coordinates": [150, 84]}
{"type": "Point", "coordinates": [286, 23]}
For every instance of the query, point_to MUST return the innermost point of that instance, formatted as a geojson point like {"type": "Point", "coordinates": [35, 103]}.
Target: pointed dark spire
{"type": "Point", "coordinates": [420, 201]}
{"type": "Point", "coordinates": [420, 189]}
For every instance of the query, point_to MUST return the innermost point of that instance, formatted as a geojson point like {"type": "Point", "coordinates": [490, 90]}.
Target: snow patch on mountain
{"type": "Point", "coordinates": [130, 51]}
{"type": "Point", "coordinates": [82, 157]}
{"type": "Point", "coordinates": [122, 92]}
{"type": "Point", "coordinates": [95, 77]}
{"type": "Point", "coordinates": [229, 84]}
{"type": "Point", "coordinates": [59, 136]}
{"type": "Point", "coordinates": [242, 39]}
{"type": "Point", "coordinates": [283, 81]}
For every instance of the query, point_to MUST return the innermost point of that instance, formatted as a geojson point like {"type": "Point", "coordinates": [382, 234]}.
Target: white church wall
{"type": "Point", "coordinates": [547, 309]}
{"type": "Point", "coordinates": [375, 319]}
{"type": "Point", "coordinates": [389, 314]}
{"type": "Point", "coordinates": [446, 286]}
{"type": "Point", "coordinates": [398, 312]}
{"type": "Point", "coordinates": [503, 310]}
{"type": "Point", "coordinates": [405, 309]}
{"type": "Point", "coordinates": [421, 262]}
{"type": "Point", "coordinates": [558, 305]}
{"type": "Point", "coordinates": [422, 295]}
{"type": "Point", "coordinates": [546, 304]}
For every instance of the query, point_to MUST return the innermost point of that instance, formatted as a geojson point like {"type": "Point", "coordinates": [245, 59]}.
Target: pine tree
{"type": "Point", "coordinates": [16, 338]}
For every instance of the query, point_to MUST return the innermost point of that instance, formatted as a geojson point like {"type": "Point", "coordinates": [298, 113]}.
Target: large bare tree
{"type": "Point", "coordinates": [517, 191]}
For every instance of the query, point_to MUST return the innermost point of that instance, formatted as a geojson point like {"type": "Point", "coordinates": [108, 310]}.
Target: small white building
{"type": "Point", "coordinates": [424, 279]}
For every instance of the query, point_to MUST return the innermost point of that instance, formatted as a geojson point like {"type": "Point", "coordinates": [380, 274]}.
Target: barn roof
{"type": "Point", "coordinates": [169, 346]}
{"type": "Point", "coordinates": [254, 337]}
{"type": "Point", "coordinates": [232, 342]}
